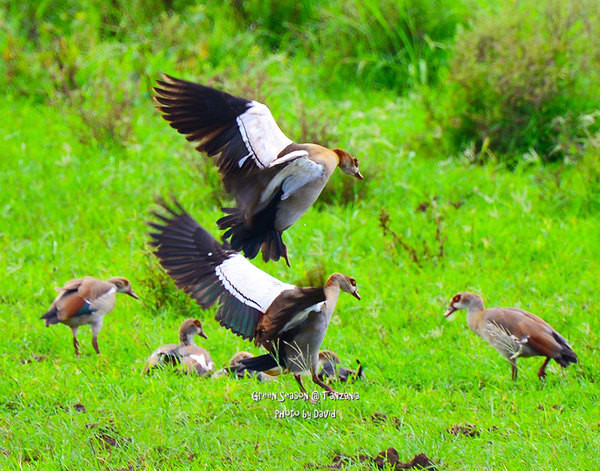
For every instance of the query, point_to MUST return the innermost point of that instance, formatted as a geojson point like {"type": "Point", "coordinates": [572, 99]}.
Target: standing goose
{"type": "Point", "coordinates": [86, 301]}
{"type": "Point", "coordinates": [514, 332]}
{"type": "Point", "coordinates": [273, 179]}
{"type": "Point", "coordinates": [194, 359]}
{"type": "Point", "coordinates": [290, 322]}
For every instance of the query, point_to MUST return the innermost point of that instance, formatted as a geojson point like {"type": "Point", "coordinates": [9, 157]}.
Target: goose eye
{"type": "Point", "coordinates": [456, 298]}
{"type": "Point", "coordinates": [352, 281]}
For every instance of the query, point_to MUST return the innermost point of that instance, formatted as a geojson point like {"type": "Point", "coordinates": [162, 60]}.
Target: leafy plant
{"type": "Point", "coordinates": [387, 44]}
{"type": "Point", "coordinates": [526, 77]}
{"type": "Point", "coordinates": [273, 20]}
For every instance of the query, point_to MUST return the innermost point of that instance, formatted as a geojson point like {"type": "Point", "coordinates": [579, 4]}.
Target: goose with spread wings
{"type": "Point", "coordinates": [273, 179]}
{"type": "Point", "coordinates": [289, 321]}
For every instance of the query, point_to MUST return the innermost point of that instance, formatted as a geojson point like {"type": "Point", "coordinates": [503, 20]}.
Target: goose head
{"type": "Point", "coordinates": [328, 356]}
{"type": "Point", "coordinates": [345, 283]}
{"type": "Point", "coordinates": [188, 329]}
{"type": "Point", "coordinates": [239, 356]}
{"type": "Point", "coordinates": [123, 286]}
{"type": "Point", "coordinates": [348, 164]}
{"type": "Point", "coordinates": [464, 300]}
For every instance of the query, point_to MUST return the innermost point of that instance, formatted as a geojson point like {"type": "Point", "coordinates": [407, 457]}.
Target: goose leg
{"type": "Point", "coordinates": [542, 370]}
{"type": "Point", "coordinates": [75, 341]}
{"type": "Point", "coordinates": [514, 370]}
{"type": "Point", "coordinates": [299, 379]}
{"type": "Point", "coordinates": [316, 379]}
{"type": "Point", "coordinates": [285, 254]}
{"type": "Point", "coordinates": [95, 330]}
{"type": "Point", "coordinates": [95, 344]}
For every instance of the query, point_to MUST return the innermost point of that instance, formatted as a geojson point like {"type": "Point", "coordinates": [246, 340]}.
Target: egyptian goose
{"type": "Point", "coordinates": [273, 179]}
{"type": "Point", "coordinates": [193, 359]}
{"type": "Point", "coordinates": [86, 301]}
{"type": "Point", "coordinates": [236, 367]}
{"type": "Point", "coordinates": [514, 332]}
{"type": "Point", "coordinates": [329, 368]}
{"type": "Point", "coordinates": [290, 322]}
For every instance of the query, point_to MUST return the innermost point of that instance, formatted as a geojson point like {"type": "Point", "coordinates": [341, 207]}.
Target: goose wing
{"type": "Point", "coordinates": [211, 273]}
{"type": "Point", "coordinates": [528, 328]}
{"type": "Point", "coordinates": [77, 296]}
{"type": "Point", "coordinates": [242, 134]}
{"type": "Point", "coordinates": [290, 309]}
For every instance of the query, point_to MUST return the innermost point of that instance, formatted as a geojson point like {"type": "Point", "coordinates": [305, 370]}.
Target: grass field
{"type": "Point", "coordinates": [81, 169]}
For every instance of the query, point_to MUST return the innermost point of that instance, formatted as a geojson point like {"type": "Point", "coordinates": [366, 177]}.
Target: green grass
{"type": "Point", "coordinates": [80, 173]}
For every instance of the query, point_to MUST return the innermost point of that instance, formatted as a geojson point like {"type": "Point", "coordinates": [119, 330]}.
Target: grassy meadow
{"type": "Point", "coordinates": [454, 198]}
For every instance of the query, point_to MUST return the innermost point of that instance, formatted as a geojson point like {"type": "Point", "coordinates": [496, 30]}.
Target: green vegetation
{"type": "Point", "coordinates": [84, 155]}
{"type": "Point", "coordinates": [527, 78]}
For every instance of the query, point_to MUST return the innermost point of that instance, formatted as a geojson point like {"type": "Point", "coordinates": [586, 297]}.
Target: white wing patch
{"type": "Point", "coordinates": [202, 361]}
{"type": "Point", "coordinates": [307, 172]}
{"type": "Point", "coordinates": [111, 291]}
{"type": "Point", "coordinates": [302, 315]}
{"type": "Point", "coordinates": [296, 175]}
{"type": "Point", "coordinates": [248, 284]}
{"type": "Point", "coordinates": [261, 135]}
{"type": "Point", "coordinates": [289, 156]}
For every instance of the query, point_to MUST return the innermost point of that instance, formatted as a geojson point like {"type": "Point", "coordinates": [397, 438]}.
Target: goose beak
{"type": "Point", "coordinates": [133, 295]}
{"type": "Point", "coordinates": [358, 175]}
{"type": "Point", "coordinates": [356, 295]}
{"type": "Point", "coordinates": [202, 334]}
{"type": "Point", "coordinates": [450, 310]}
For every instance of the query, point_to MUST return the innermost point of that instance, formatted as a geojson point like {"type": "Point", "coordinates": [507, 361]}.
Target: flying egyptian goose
{"type": "Point", "coordinates": [86, 301]}
{"type": "Point", "coordinates": [514, 332]}
{"type": "Point", "coordinates": [238, 368]}
{"type": "Point", "coordinates": [329, 368]}
{"type": "Point", "coordinates": [273, 179]}
{"type": "Point", "coordinates": [193, 359]}
{"type": "Point", "coordinates": [290, 322]}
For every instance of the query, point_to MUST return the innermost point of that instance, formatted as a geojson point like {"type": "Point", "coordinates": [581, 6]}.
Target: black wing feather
{"type": "Point", "coordinates": [191, 255]}
{"type": "Point", "coordinates": [207, 116]}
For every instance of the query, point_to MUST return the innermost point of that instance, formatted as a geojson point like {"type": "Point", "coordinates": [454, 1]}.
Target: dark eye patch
{"type": "Point", "coordinates": [456, 298]}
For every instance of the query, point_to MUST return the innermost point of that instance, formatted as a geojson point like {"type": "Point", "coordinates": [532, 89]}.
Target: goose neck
{"type": "Point", "coordinates": [187, 339]}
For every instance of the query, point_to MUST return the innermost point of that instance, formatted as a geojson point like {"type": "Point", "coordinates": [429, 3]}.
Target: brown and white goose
{"type": "Point", "coordinates": [329, 368]}
{"type": "Point", "coordinates": [193, 359]}
{"type": "Point", "coordinates": [86, 301]}
{"type": "Point", "coordinates": [290, 322]}
{"type": "Point", "coordinates": [235, 366]}
{"type": "Point", "coordinates": [514, 332]}
{"type": "Point", "coordinates": [273, 179]}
